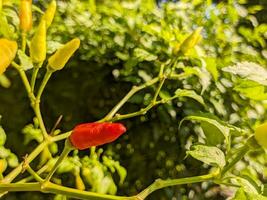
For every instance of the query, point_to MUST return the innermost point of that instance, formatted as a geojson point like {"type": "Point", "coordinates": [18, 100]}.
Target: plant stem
{"type": "Point", "coordinates": [67, 148]}
{"type": "Point", "coordinates": [23, 39]}
{"type": "Point", "coordinates": [39, 172]}
{"type": "Point", "coordinates": [49, 187]}
{"type": "Point", "coordinates": [36, 108]}
{"type": "Point", "coordinates": [238, 157]}
{"type": "Point", "coordinates": [34, 75]}
{"type": "Point", "coordinates": [35, 102]}
{"type": "Point", "coordinates": [158, 184]}
{"type": "Point", "coordinates": [24, 80]}
{"type": "Point", "coordinates": [34, 174]}
{"type": "Point", "coordinates": [43, 84]}
{"type": "Point", "coordinates": [127, 97]}
{"type": "Point", "coordinates": [142, 111]}
{"type": "Point", "coordinates": [61, 136]}
{"type": "Point", "coordinates": [15, 172]}
{"type": "Point", "coordinates": [75, 193]}
{"type": "Point", "coordinates": [162, 80]}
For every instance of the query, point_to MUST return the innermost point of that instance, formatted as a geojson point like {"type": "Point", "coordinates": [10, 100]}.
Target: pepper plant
{"type": "Point", "coordinates": [184, 56]}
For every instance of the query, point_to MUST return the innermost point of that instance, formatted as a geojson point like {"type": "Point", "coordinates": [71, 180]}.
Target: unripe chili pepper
{"type": "Point", "coordinates": [8, 51]}
{"type": "Point", "coordinates": [58, 60]}
{"type": "Point", "coordinates": [38, 44]}
{"type": "Point", "coordinates": [94, 134]}
{"type": "Point", "coordinates": [3, 165]}
{"type": "Point", "coordinates": [191, 40]}
{"type": "Point", "coordinates": [25, 15]}
{"type": "Point", "coordinates": [50, 13]}
{"type": "Point", "coordinates": [79, 182]}
{"type": "Point", "coordinates": [261, 135]}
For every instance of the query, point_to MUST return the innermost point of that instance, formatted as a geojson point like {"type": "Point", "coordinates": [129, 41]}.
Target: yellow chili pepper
{"type": "Point", "coordinates": [50, 13]}
{"type": "Point", "coordinates": [3, 165]}
{"type": "Point", "coordinates": [79, 182]}
{"type": "Point", "coordinates": [58, 60]}
{"type": "Point", "coordinates": [25, 15]}
{"type": "Point", "coordinates": [8, 51]}
{"type": "Point", "coordinates": [38, 44]}
{"type": "Point", "coordinates": [191, 40]}
{"type": "Point", "coordinates": [261, 135]}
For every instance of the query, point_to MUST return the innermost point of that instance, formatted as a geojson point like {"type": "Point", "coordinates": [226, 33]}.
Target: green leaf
{"type": "Point", "coordinates": [221, 130]}
{"type": "Point", "coordinates": [251, 90]}
{"type": "Point", "coordinates": [142, 55]}
{"type": "Point", "coordinates": [189, 93]}
{"type": "Point", "coordinates": [52, 46]}
{"type": "Point", "coordinates": [202, 75]}
{"type": "Point", "coordinates": [212, 133]}
{"type": "Point", "coordinates": [211, 66]}
{"type": "Point", "coordinates": [250, 71]}
{"type": "Point", "coordinates": [242, 194]}
{"type": "Point", "coordinates": [26, 62]}
{"type": "Point", "coordinates": [208, 155]}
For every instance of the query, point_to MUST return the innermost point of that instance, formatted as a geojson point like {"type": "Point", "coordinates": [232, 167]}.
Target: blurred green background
{"type": "Point", "coordinates": [119, 43]}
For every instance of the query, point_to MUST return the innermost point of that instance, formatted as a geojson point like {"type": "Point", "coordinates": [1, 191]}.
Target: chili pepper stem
{"type": "Point", "coordinates": [67, 149]}
{"type": "Point", "coordinates": [44, 82]}
{"type": "Point", "coordinates": [24, 80]}
{"type": "Point", "coordinates": [34, 75]}
{"type": "Point", "coordinates": [23, 41]}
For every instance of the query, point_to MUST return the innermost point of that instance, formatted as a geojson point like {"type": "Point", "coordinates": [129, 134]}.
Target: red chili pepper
{"type": "Point", "coordinates": [96, 133]}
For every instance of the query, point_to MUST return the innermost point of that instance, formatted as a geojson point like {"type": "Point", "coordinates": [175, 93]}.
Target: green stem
{"type": "Point", "coordinates": [36, 108]}
{"type": "Point", "coordinates": [67, 148]}
{"type": "Point", "coordinates": [61, 136]}
{"type": "Point", "coordinates": [15, 172]}
{"type": "Point", "coordinates": [49, 187]}
{"type": "Point", "coordinates": [43, 84]}
{"type": "Point", "coordinates": [159, 184]}
{"type": "Point", "coordinates": [36, 104]}
{"type": "Point", "coordinates": [39, 172]}
{"type": "Point", "coordinates": [24, 80]}
{"type": "Point", "coordinates": [15, 187]}
{"type": "Point", "coordinates": [23, 39]}
{"type": "Point", "coordinates": [34, 75]}
{"type": "Point", "coordinates": [127, 97]}
{"type": "Point", "coordinates": [75, 193]}
{"type": "Point", "coordinates": [162, 80]}
{"type": "Point", "coordinates": [242, 152]}
{"type": "Point", "coordinates": [34, 174]}
{"type": "Point", "coordinates": [143, 111]}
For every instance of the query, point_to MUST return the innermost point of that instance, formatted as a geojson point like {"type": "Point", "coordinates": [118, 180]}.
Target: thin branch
{"type": "Point", "coordinates": [127, 97]}
{"type": "Point", "coordinates": [159, 184]}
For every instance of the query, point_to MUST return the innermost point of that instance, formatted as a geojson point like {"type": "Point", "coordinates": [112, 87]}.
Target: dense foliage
{"type": "Point", "coordinates": [219, 87]}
